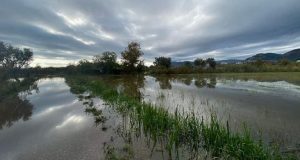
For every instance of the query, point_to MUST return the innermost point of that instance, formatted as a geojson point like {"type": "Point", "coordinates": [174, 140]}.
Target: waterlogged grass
{"type": "Point", "coordinates": [178, 130]}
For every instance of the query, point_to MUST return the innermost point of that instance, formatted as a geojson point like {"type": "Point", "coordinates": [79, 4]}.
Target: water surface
{"type": "Point", "coordinates": [43, 119]}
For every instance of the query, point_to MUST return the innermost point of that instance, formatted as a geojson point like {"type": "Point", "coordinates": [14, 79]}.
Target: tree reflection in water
{"type": "Point", "coordinates": [128, 84]}
{"type": "Point", "coordinates": [164, 82]}
{"type": "Point", "coordinates": [206, 82]}
{"type": "Point", "coordinates": [13, 103]}
{"type": "Point", "coordinates": [200, 82]}
{"type": "Point", "coordinates": [126, 140]}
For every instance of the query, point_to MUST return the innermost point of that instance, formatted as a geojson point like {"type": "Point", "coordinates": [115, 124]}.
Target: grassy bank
{"type": "Point", "coordinates": [178, 130]}
{"type": "Point", "coordinates": [229, 68]}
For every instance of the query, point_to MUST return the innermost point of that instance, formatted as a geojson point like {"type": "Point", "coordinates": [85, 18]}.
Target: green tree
{"type": "Point", "coordinates": [162, 62]}
{"type": "Point", "coordinates": [188, 64]}
{"type": "Point", "coordinates": [106, 62]}
{"type": "Point", "coordinates": [259, 63]}
{"type": "Point", "coordinates": [86, 67]}
{"type": "Point", "coordinates": [13, 57]}
{"type": "Point", "coordinates": [211, 62]}
{"type": "Point", "coordinates": [131, 57]}
{"type": "Point", "coordinates": [199, 62]}
{"type": "Point", "coordinates": [140, 67]}
{"type": "Point", "coordinates": [284, 62]}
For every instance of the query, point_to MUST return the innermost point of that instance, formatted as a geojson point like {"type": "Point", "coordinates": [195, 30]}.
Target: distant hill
{"type": "Point", "coordinates": [228, 61]}
{"type": "Point", "coordinates": [265, 57]}
{"type": "Point", "coordinates": [180, 63]}
{"type": "Point", "coordinates": [177, 64]}
{"type": "Point", "coordinates": [291, 55]}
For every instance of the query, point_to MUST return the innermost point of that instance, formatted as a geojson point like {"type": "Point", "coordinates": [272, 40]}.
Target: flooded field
{"type": "Point", "coordinates": [47, 118]}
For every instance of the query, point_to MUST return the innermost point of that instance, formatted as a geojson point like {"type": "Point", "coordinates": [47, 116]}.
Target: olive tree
{"type": "Point", "coordinates": [13, 57]}
{"type": "Point", "coordinates": [162, 62]}
{"type": "Point", "coordinates": [106, 62]}
{"type": "Point", "coordinates": [131, 57]}
{"type": "Point", "coordinates": [211, 62]}
{"type": "Point", "coordinates": [199, 62]}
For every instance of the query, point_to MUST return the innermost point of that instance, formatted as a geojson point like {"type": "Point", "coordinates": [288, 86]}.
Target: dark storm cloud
{"type": "Point", "coordinates": [60, 32]}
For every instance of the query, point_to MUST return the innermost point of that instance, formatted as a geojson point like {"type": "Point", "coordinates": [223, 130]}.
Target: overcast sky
{"type": "Point", "coordinates": [64, 31]}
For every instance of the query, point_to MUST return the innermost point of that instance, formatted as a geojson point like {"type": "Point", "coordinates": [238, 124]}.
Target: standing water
{"type": "Point", "coordinates": [46, 119]}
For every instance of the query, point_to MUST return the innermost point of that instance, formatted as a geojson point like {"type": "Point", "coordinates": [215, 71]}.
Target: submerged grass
{"type": "Point", "coordinates": [179, 130]}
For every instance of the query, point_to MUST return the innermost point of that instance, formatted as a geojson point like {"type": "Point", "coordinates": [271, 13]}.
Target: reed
{"type": "Point", "coordinates": [180, 130]}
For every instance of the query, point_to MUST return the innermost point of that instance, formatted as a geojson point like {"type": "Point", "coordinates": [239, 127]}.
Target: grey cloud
{"type": "Point", "coordinates": [184, 30]}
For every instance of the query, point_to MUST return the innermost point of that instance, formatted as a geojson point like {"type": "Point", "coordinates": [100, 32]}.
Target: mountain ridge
{"type": "Point", "coordinates": [292, 55]}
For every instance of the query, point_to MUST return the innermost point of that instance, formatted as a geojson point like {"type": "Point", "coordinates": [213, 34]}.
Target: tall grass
{"type": "Point", "coordinates": [230, 68]}
{"type": "Point", "coordinates": [180, 130]}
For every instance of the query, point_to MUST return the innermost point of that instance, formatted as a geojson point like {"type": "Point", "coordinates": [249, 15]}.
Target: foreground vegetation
{"type": "Point", "coordinates": [179, 130]}
{"type": "Point", "coordinates": [249, 67]}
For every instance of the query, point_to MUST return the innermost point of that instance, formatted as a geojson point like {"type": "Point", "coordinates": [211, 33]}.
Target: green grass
{"type": "Point", "coordinates": [230, 68]}
{"type": "Point", "coordinates": [178, 130]}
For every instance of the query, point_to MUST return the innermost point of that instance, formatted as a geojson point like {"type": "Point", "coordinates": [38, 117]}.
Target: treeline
{"type": "Point", "coordinates": [163, 65]}
{"type": "Point", "coordinates": [106, 63]}
{"type": "Point", "coordinates": [15, 61]}
{"type": "Point", "coordinates": [210, 66]}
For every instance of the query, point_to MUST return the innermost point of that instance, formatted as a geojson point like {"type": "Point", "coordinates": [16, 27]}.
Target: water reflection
{"type": "Point", "coordinates": [267, 102]}
{"type": "Point", "coordinates": [13, 100]}
{"type": "Point", "coordinates": [129, 84]}
{"type": "Point", "coordinates": [127, 140]}
{"type": "Point", "coordinates": [187, 80]}
{"type": "Point", "coordinates": [164, 81]}
{"type": "Point", "coordinates": [58, 127]}
{"type": "Point", "coordinates": [78, 125]}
